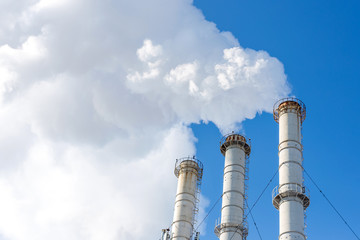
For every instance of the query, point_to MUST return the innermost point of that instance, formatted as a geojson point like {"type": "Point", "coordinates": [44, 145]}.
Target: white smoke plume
{"type": "Point", "coordinates": [95, 102]}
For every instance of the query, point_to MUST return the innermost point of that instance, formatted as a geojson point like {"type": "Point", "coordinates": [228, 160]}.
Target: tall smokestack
{"type": "Point", "coordinates": [290, 196]}
{"type": "Point", "coordinates": [189, 172]}
{"type": "Point", "coordinates": [236, 149]}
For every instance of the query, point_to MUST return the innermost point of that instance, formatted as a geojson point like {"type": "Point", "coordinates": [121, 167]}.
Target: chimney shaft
{"type": "Point", "coordinates": [189, 172]}
{"type": "Point", "coordinates": [290, 197]}
{"type": "Point", "coordinates": [236, 150]}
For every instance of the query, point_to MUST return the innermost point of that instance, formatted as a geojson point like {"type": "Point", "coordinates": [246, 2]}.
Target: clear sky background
{"type": "Point", "coordinates": [318, 43]}
{"type": "Point", "coordinates": [98, 99]}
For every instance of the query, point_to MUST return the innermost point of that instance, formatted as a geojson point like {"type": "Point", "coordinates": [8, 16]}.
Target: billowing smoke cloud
{"type": "Point", "coordinates": [95, 102]}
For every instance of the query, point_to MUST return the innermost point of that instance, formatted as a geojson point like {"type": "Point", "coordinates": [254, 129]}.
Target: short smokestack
{"type": "Point", "coordinates": [189, 172]}
{"type": "Point", "coordinates": [290, 197]}
{"type": "Point", "coordinates": [165, 234]}
{"type": "Point", "coordinates": [236, 149]}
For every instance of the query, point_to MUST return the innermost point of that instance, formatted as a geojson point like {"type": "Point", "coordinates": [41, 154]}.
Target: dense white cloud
{"type": "Point", "coordinates": [95, 102]}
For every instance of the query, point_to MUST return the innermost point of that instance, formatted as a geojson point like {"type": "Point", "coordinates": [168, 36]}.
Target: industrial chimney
{"type": "Point", "coordinates": [290, 197]}
{"type": "Point", "coordinates": [189, 171]}
{"type": "Point", "coordinates": [236, 149]}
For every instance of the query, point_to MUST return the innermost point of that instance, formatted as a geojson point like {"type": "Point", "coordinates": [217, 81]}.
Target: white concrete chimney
{"type": "Point", "coordinates": [236, 149]}
{"type": "Point", "coordinates": [290, 197]}
{"type": "Point", "coordinates": [189, 172]}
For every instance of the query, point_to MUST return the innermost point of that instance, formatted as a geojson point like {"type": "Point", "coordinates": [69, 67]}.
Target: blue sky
{"type": "Point", "coordinates": [318, 43]}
